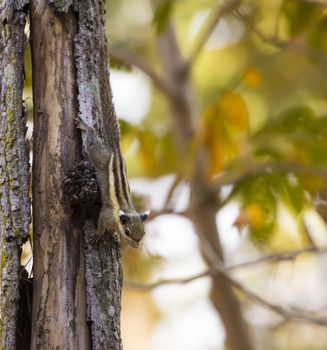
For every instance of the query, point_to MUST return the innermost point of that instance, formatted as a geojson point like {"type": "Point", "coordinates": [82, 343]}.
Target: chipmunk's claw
{"type": "Point", "coordinates": [79, 123]}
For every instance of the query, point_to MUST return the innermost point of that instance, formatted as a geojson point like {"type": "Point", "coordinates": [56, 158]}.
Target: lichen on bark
{"type": "Point", "coordinates": [14, 166]}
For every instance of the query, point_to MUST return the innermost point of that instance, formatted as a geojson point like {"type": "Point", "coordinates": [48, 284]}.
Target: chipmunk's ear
{"type": "Point", "coordinates": [123, 217]}
{"type": "Point", "coordinates": [145, 215]}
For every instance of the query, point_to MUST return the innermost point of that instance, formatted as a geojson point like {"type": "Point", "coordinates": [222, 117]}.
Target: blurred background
{"type": "Point", "coordinates": [250, 80]}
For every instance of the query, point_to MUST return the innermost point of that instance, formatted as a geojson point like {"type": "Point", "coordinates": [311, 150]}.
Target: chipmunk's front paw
{"type": "Point", "coordinates": [79, 123]}
{"type": "Point", "coordinates": [116, 236]}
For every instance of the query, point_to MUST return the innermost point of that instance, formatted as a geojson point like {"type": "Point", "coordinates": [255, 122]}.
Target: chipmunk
{"type": "Point", "coordinates": [117, 213]}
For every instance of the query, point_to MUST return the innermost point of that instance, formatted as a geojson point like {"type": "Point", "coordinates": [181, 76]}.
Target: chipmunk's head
{"type": "Point", "coordinates": [133, 228]}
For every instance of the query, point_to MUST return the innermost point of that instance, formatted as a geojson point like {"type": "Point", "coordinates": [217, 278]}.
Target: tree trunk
{"type": "Point", "coordinates": [204, 203]}
{"type": "Point", "coordinates": [59, 302]}
{"type": "Point", "coordinates": [14, 179]}
{"type": "Point", "coordinates": [68, 297]}
{"type": "Point", "coordinates": [204, 207]}
{"type": "Point", "coordinates": [103, 268]}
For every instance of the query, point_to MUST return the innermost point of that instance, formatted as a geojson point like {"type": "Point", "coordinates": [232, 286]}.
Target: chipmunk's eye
{"type": "Point", "coordinates": [127, 232]}
{"type": "Point", "coordinates": [123, 217]}
{"type": "Point", "coordinates": [145, 215]}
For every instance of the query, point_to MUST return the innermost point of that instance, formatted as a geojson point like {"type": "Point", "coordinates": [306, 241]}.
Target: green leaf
{"type": "Point", "coordinates": [300, 14]}
{"type": "Point", "coordinates": [318, 37]}
{"type": "Point", "coordinates": [259, 196]}
{"type": "Point", "coordinates": [125, 127]}
{"type": "Point", "coordinates": [158, 154]}
{"type": "Point", "coordinates": [296, 134]}
{"type": "Point", "coordinates": [162, 14]}
{"type": "Point", "coordinates": [259, 203]}
{"type": "Point", "coordinates": [290, 191]}
{"type": "Point", "coordinates": [294, 118]}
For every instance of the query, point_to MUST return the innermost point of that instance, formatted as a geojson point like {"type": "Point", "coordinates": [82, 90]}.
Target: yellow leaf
{"type": "Point", "coordinates": [147, 152]}
{"type": "Point", "coordinates": [256, 216]}
{"type": "Point", "coordinates": [212, 138]}
{"type": "Point", "coordinates": [223, 124]}
{"type": "Point", "coordinates": [252, 215]}
{"type": "Point", "coordinates": [252, 77]}
{"type": "Point", "coordinates": [233, 109]}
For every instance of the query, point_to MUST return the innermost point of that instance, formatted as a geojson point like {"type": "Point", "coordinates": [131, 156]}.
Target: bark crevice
{"type": "Point", "coordinates": [14, 166]}
{"type": "Point", "coordinates": [102, 262]}
{"type": "Point", "coordinates": [59, 301]}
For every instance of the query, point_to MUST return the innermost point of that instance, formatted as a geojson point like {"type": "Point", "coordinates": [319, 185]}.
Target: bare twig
{"type": "Point", "coordinates": [167, 211]}
{"type": "Point", "coordinates": [171, 191]}
{"type": "Point", "coordinates": [217, 266]}
{"type": "Point", "coordinates": [150, 286]}
{"type": "Point", "coordinates": [272, 258]}
{"type": "Point", "coordinates": [294, 45]}
{"type": "Point", "coordinates": [143, 65]}
{"type": "Point", "coordinates": [217, 14]}
{"type": "Point", "coordinates": [288, 314]}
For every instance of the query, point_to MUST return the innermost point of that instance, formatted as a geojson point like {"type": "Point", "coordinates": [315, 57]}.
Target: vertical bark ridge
{"type": "Point", "coordinates": [59, 303]}
{"type": "Point", "coordinates": [14, 166]}
{"type": "Point", "coordinates": [103, 267]}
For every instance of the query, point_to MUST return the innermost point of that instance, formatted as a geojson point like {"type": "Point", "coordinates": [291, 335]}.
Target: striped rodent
{"type": "Point", "coordinates": [117, 213]}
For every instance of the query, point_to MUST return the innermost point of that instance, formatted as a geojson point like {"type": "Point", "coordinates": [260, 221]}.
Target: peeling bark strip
{"type": "Point", "coordinates": [59, 302]}
{"type": "Point", "coordinates": [14, 201]}
{"type": "Point", "coordinates": [103, 269]}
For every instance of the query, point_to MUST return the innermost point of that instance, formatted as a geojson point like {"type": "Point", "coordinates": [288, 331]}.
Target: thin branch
{"type": "Point", "coordinates": [232, 176]}
{"type": "Point", "coordinates": [171, 191]}
{"type": "Point", "coordinates": [209, 27]}
{"type": "Point", "coordinates": [150, 286]}
{"type": "Point", "coordinates": [218, 267]}
{"type": "Point", "coordinates": [143, 65]}
{"type": "Point", "coordinates": [272, 258]}
{"type": "Point", "coordinates": [167, 211]}
{"type": "Point", "coordinates": [274, 40]}
{"type": "Point", "coordinates": [288, 314]}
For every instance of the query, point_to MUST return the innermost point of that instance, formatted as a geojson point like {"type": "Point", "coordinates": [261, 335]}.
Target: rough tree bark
{"type": "Point", "coordinates": [59, 308]}
{"type": "Point", "coordinates": [103, 269]}
{"type": "Point", "coordinates": [14, 179]}
{"type": "Point", "coordinates": [66, 38]}
{"type": "Point", "coordinates": [204, 202]}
